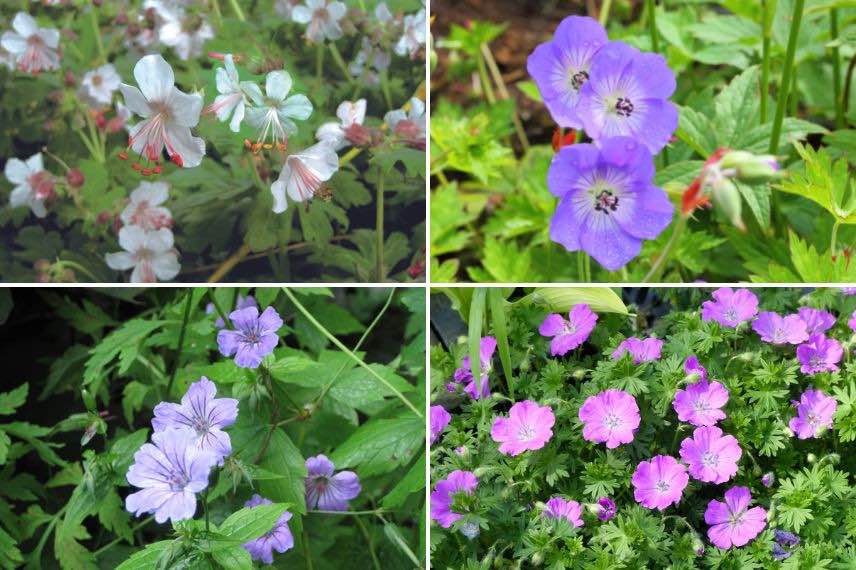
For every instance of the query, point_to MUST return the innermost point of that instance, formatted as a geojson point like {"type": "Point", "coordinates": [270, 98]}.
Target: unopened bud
{"type": "Point", "coordinates": [727, 199]}
{"type": "Point", "coordinates": [750, 168]}
{"type": "Point", "coordinates": [811, 458]}
{"type": "Point", "coordinates": [470, 530]}
{"type": "Point", "coordinates": [75, 178]}
{"type": "Point", "coordinates": [69, 79]}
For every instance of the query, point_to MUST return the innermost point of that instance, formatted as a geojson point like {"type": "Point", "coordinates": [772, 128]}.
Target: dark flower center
{"type": "Point", "coordinates": [624, 107]}
{"type": "Point", "coordinates": [578, 78]}
{"type": "Point", "coordinates": [606, 202]}
{"type": "Point", "coordinates": [96, 80]}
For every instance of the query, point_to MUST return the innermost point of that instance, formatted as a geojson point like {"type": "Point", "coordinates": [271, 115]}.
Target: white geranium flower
{"type": "Point", "coordinates": [273, 113]}
{"type": "Point", "coordinates": [409, 125]}
{"type": "Point", "coordinates": [232, 99]}
{"type": "Point", "coordinates": [382, 13]}
{"type": "Point", "coordinates": [167, 112]}
{"type": "Point", "coordinates": [284, 8]}
{"type": "Point", "coordinates": [34, 48]}
{"type": "Point", "coordinates": [303, 174]}
{"type": "Point", "coordinates": [144, 209]}
{"type": "Point", "coordinates": [322, 18]}
{"type": "Point", "coordinates": [336, 134]}
{"type": "Point", "coordinates": [185, 33]}
{"type": "Point", "coordinates": [149, 253]}
{"type": "Point", "coordinates": [100, 83]}
{"type": "Point", "coordinates": [33, 184]}
{"type": "Point", "coordinates": [414, 34]}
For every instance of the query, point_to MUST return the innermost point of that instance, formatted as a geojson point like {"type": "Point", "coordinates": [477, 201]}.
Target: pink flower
{"type": "Point", "coordinates": [700, 403]}
{"type": "Point", "coordinates": [527, 428]}
{"type": "Point", "coordinates": [610, 417]}
{"type": "Point", "coordinates": [568, 334]}
{"type": "Point", "coordinates": [852, 322]}
{"type": "Point", "coordinates": [642, 350]}
{"type": "Point", "coordinates": [819, 354]}
{"type": "Point", "coordinates": [660, 482]}
{"type": "Point", "coordinates": [730, 308]}
{"type": "Point", "coordinates": [692, 366]}
{"type": "Point", "coordinates": [733, 523]}
{"type": "Point", "coordinates": [443, 496]}
{"type": "Point", "coordinates": [814, 414]}
{"type": "Point", "coordinates": [559, 508]}
{"type": "Point", "coordinates": [440, 418]}
{"type": "Point", "coordinates": [775, 329]}
{"type": "Point", "coordinates": [711, 456]}
{"type": "Point", "coordinates": [816, 320]}
{"type": "Point", "coordinates": [145, 210]}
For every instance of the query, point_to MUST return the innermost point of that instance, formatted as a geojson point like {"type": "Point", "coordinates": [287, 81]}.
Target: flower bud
{"type": "Point", "coordinates": [75, 178]}
{"type": "Point", "coordinates": [69, 79]}
{"type": "Point", "coordinates": [811, 458]}
{"type": "Point", "coordinates": [767, 479]}
{"type": "Point", "coordinates": [727, 199]}
{"type": "Point", "coordinates": [751, 168]}
{"type": "Point", "coordinates": [470, 530]}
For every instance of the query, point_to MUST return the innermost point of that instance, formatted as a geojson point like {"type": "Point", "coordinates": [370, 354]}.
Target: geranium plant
{"type": "Point", "coordinates": [721, 437]}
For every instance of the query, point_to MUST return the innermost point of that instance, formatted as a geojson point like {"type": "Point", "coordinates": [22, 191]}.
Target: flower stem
{"type": "Point", "coordinates": [347, 513]}
{"type": "Point", "coordinates": [379, 269]}
{"type": "Point", "coordinates": [787, 71]}
{"type": "Point", "coordinates": [658, 266]}
{"type": "Point", "coordinates": [237, 9]}
{"type": "Point", "coordinates": [205, 506]}
{"type": "Point", "coordinates": [836, 69]}
{"type": "Point", "coordinates": [848, 79]}
{"type": "Point", "coordinates": [337, 57]}
{"type": "Point", "coordinates": [833, 239]}
{"type": "Point", "coordinates": [93, 17]}
{"type": "Point", "coordinates": [349, 156]}
{"type": "Point", "coordinates": [384, 86]}
{"type": "Point", "coordinates": [485, 81]}
{"type": "Point", "coordinates": [184, 319]}
{"type": "Point", "coordinates": [766, 21]}
{"type": "Point", "coordinates": [230, 263]}
{"type": "Point", "coordinates": [319, 61]}
{"type": "Point", "coordinates": [604, 12]}
{"type": "Point", "coordinates": [504, 95]}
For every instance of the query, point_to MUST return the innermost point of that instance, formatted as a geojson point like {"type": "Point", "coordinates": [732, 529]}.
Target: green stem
{"type": "Point", "coordinates": [787, 71]}
{"type": "Point", "coordinates": [340, 62]}
{"type": "Point", "coordinates": [319, 61]}
{"type": "Point", "coordinates": [345, 349]}
{"type": "Point", "coordinates": [792, 99]}
{"type": "Point", "coordinates": [187, 304]}
{"type": "Point", "coordinates": [384, 86]}
{"type": "Point", "coordinates": [655, 46]}
{"type": "Point", "coordinates": [505, 95]}
{"type": "Point", "coordinates": [78, 267]}
{"type": "Point", "coordinates": [765, 57]}
{"type": "Point", "coordinates": [836, 69]}
{"type": "Point", "coordinates": [833, 239]}
{"type": "Point", "coordinates": [93, 16]}
{"type": "Point", "coordinates": [369, 541]}
{"type": "Point", "coordinates": [205, 507]}
{"type": "Point", "coordinates": [379, 269]}
{"type": "Point", "coordinates": [347, 513]}
{"type": "Point", "coordinates": [485, 81]}
{"type": "Point", "coordinates": [307, 555]}
{"type": "Point", "coordinates": [113, 543]}
{"type": "Point", "coordinates": [658, 266]}
{"type": "Point", "coordinates": [237, 9]}
{"type": "Point", "coordinates": [604, 12]}
{"type": "Point", "coordinates": [848, 80]}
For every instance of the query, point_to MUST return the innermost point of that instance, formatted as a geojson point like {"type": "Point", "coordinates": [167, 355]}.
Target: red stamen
{"type": "Point", "coordinates": [176, 158]}
{"type": "Point", "coordinates": [123, 155]}
{"type": "Point", "coordinates": [137, 166]}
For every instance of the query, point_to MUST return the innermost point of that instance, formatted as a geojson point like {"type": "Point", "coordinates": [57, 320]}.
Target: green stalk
{"type": "Point", "coordinates": [474, 333]}
{"type": "Point", "coordinates": [658, 266]}
{"type": "Point", "coordinates": [340, 62]}
{"type": "Point", "coordinates": [604, 12]}
{"type": "Point", "coordinates": [787, 71]}
{"type": "Point", "coordinates": [379, 270]}
{"type": "Point", "coordinates": [205, 506]}
{"type": "Point", "coordinates": [765, 57]}
{"type": "Point", "coordinates": [384, 86]}
{"type": "Point", "coordinates": [93, 16]}
{"type": "Point", "coordinates": [497, 315]}
{"type": "Point", "coordinates": [655, 46]}
{"type": "Point", "coordinates": [792, 99]}
{"type": "Point", "coordinates": [319, 61]}
{"type": "Point", "coordinates": [485, 81]}
{"type": "Point", "coordinates": [836, 70]}
{"type": "Point", "coordinates": [237, 9]}
{"type": "Point", "coordinates": [833, 239]}
{"type": "Point", "coordinates": [187, 304]}
{"type": "Point", "coordinates": [504, 95]}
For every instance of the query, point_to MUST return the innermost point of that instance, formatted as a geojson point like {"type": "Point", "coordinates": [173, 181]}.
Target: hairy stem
{"type": "Point", "coordinates": [766, 31]}
{"type": "Point", "coordinates": [787, 71]}
{"type": "Point", "coordinates": [836, 69]}
{"type": "Point", "coordinates": [379, 269]}
{"type": "Point", "coordinates": [187, 304]}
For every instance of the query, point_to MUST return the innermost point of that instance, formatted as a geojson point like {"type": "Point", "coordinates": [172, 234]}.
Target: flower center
{"type": "Point", "coordinates": [736, 519]}
{"type": "Point", "coordinates": [35, 41]}
{"type": "Point", "coordinates": [624, 107]}
{"type": "Point", "coordinates": [526, 433]}
{"type": "Point", "coordinates": [661, 486]}
{"type": "Point", "coordinates": [178, 480]}
{"type": "Point", "coordinates": [96, 80]}
{"type": "Point", "coordinates": [606, 202]}
{"type": "Point", "coordinates": [701, 405]}
{"type": "Point", "coordinates": [42, 185]}
{"type": "Point", "coordinates": [709, 459]}
{"type": "Point", "coordinates": [812, 419]}
{"type": "Point", "coordinates": [201, 425]}
{"type": "Point", "coordinates": [815, 361]}
{"type": "Point", "coordinates": [569, 328]}
{"type": "Point", "coordinates": [578, 79]}
{"type": "Point", "coordinates": [611, 421]}
{"type": "Point", "coordinates": [731, 315]}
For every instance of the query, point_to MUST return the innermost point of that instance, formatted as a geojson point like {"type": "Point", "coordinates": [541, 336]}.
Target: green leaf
{"type": "Point", "coordinates": [825, 183]}
{"type": "Point", "coordinates": [497, 314]}
{"type": "Point", "coordinates": [284, 458]}
{"type": "Point", "coordinates": [236, 558]}
{"type": "Point", "coordinates": [123, 342]}
{"type": "Point", "coordinates": [250, 523]}
{"type": "Point", "coordinates": [475, 321]}
{"type": "Point", "coordinates": [561, 299]}
{"type": "Point", "coordinates": [10, 401]}
{"type": "Point", "coordinates": [380, 445]}
{"type": "Point", "coordinates": [737, 107]}
{"type": "Point", "coordinates": [154, 556]}
{"type": "Point", "coordinates": [412, 482]}
{"type": "Point", "coordinates": [357, 387]}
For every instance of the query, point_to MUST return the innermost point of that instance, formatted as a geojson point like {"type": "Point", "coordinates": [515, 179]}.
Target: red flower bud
{"type": "Point", "coordinates": [75, 178]}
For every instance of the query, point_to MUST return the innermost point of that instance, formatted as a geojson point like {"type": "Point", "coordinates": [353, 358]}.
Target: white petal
{"type": "Point", "coordinates": [331, 133]}
{"type": "Point", "coordinates": [155, 77]}
{"type": "Point", "coordinates": [159, 240]}
{"type": "Point", "coordinates": [143, 273]}
{"type": "Point", "coordinates": [166, 266]}
{"type": "Point", "coordinates": [134, 100]}
{"type": "Point", "coordinates": [254, 92]}
{"type": "Point", "coordinates": [132, 238]}
{"type": "Point", "coordinates": [24, 24]}
{"type": "Point", "coordinates": [235, 124]}
{"type": "Point", "coordinates": [191, 149]}
{"type": "Point", "coordinates": [38, 208]}
{"type": "Point", "coordinates": [301, 14]}
{"type": "Point", "coordinates": [417, 108]}
{"type": "Point", "coordinates": [13, 43]}
{"type": "Point", "coordinates": [278, 84]}
{"type": "Point", "coordinates": [280, 204]}
{"type": "Point", "coordinates": [296, 107]}
{"type": "Point", "coordinates": [336, 10]}
{"type": "Point", "coordinates": [20, 196]}
{"type": "Point", "coordinates": [185, 108]}
{"type": "Point", "coordinates": [16, 171]}
{"type": "Point", "coordinates": [322, 159]}
{"type": "Point", "coordinates": [34, 163]}
{"type": "Point", "coordinates": [224, 82]}
{"type": "Point", "coordinates": [155, 193]}
{"type": "Point", "coordinates": [121, 261]}
{"type": "Point", "coordinates": [50, 36]}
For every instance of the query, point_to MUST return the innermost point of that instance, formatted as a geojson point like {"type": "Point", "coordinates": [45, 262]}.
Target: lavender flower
{"type": "Point", "coordinates": [819, 354]}
{"type": "Point", "coordinates": [241, 303]}
{"type": "Point", "coordinates": [559, 508]}
{"type": "Point", "coordinates": [606, 509]}
{"type": "Point", "coordinates": [568, 334]}
{"type": "Point", "coordinates": [326, 491]}
{"type": "Point", "coordinates": [642, 350]}
{"type": "Point", "coordinates": [170, 471]}
{"type": "Point", "coordinates": [730, 308]}
{"type": "Point", "coordinates": [767, 479]}
{"type": "Point", "coordinates": [627, 95]}
{"type": "Point", "coordinates": [440, 418]}
{"type": "Point", "coordinates": [692, 366]}
{"type": "Point", "coordinates": [732, 522]}
{"type": "Point", "coordinates": [206, 415]}
{"type": "Point", "coordinates": [816, 320]}
{"type": "Point", "coordinates": [278, 538]}
{"type": "Point", "coordinates": [608, 200]}
{"type": "Point", "coordinates": [560, 67]}
{"type": "Point", "coordinates": [775, 329]}
{"type": "Point", "coordinates": [852, 322]}
{"type": "Point", "coordinates": [700, 403]}
{"type": "Point", "coordinates": [610, 417]}
{"type": "Point", "coordinates": [814, 414]}
{"type": "Point", "coordinates": [254, 338]}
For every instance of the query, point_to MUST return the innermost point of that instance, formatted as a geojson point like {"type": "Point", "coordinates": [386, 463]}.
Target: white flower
{"type": "Point", "coordinates": [323, 19]}
{"type": "Point", "coordinates": [33, 184]}
{"type": "Point", "coordinates": [149, 253]}
{"type": "Point", "coordinates": [382, 13]}
{"type": "Point", "coordinates": [185, 33]}
{"type": "Point", "coordinates": [350, 114]}
{"type": "Point", "coordinates": [167, 112]}
{"type": "Point", "coordinates": [273, 114]}
{"type": "Point", "coordinates": [303, 174]}
{"type": "Point", "coordinates": [414, 34]}
{"type": "Point", "coordinates": [99, 84]}
{"type": "Point", "coordinates": [284, 8]}
{"type": "Point", "coordinates": [409, 125]}
{"type": "Point", "coordinates": [33, 47]}
{"type": "Point", "coordinates": [232, 98]}
{"type": "Point", "coordinates": [144, 209]}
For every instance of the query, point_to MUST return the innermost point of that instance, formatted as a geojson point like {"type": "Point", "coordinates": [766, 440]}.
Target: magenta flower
{"type": "Point", "coordinates": [254, 338]}
{"type": "Point", "coordinates": [326, 491]}
{"type": "Point", "coordinates": [610, 417]}
{"type": "Point", "coordinates": [819, 354]}
{"type": "Point", "coordinates": [816, 320]}
{"type": "Point", "coordinates": [206, 415]}
{"type": "Point", "coordinates": [568, 335]}
{"type": "Point", "coordinates": [443, 496]}
{"type": "Point", "coordinates": [170, 471]}
{"type": "Point", "coordinates": [527, 428]}
{"type": "Point", "coordinates": [814, 414]}
{"type": "Point", "coordinates": [606, 509]}
{"type": "Point", "coordinates": [775, 329]}
{"type": "Point", "coordinates": [711, 456]}
{"type": "Point", "coordinates": [559, 508]}
{"type": "Point", "coordinates": [733, 523]}
{"type": "Point", "coordinates": [852, 322]}
{"type": "Point", "coordinates": [692, 366]}
{"type": "Point", "coordinates": [278, 538]}
{"type": "Point", "coordinates": [560, 67]}
{"type": "Point", "coordinates": [440, 418]}
{"type": "Point", "coordinates": [608, 201]}
{"type": "Point", "coordinates": [660, 482]}
{"type": "Point", "coordinates": [700, 403]}
{"type": "Point", "coordinates": [642, 350]}
{"type": "Point", "coordinates": [730, 308]}
{"type": "Point", "coordinates": [463, 375]}
{"type": "Point", "coordinates": [848, 290]}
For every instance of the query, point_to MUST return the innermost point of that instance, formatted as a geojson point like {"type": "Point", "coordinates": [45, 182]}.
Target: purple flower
{"type": "Point", "coordinates": [700, 403]}
{"type": "Point", "coordinates": [610, 417]}
{"type": "Point", "coordinates": [819, 354]}
{"type": "Point", "coordinates": [278, 538]}
{"type": "Point", "coordinates": [642, 350]}
{"type": "Point", "coordinates": [443, 496]}
{"type": "Point", "coordinates": [733, 523]}
{"type": "Point", "coordinates": [767, 479]}
{"type": "Point", "coordinates": [170, 471]}
{"type": "Point", "coordinates": [730, 308]}
{"type": "Point", "coordinates": [692, 366]}
{"type": "Point", "coordinates": [608, 202]}
{"type": "Point", "coordinates": [254, 338]}
{"type": "Point", "coordinates": [814, 414]}
{"type": "Point", "coordinates": [627, 95]}
{"type": "Point", "coordinates": [527, 428]}
{"type": "Point", "coordinates": [711, 456]}
{"type": "Point", "coordinates": [848, 290]}
{"type": "Point", "coordinates": [779, 553]}
{"type": "Point", "coordinates": [241, 303]}
{"type": "Point", "coordinates": [206, 415]}
{"type": "Point", "coordinates": [606, 509]}
{"type": "Point", "coordinates": [326, 491]}
{"type": "Point", "coordinates": [816, 320]}
{"type": "Point", "coordinates": [560, 67]}
{"type": "Point", "coordinates": [775, 329]}
{"type": "Point", "coordinates": [559, 508]}
{"type": "Point", "coordinates": [660, 482]}
{"type": "Point", "coordinates": [463, 375]}
{"type": "Point", "coordinates": [852, 322]}
{"type": "Point", "coordinates": [568, 335]}
{"type": "Point", "coordinates": [440, 418]}
{"type": "Point", "coordinates": [786, 538]}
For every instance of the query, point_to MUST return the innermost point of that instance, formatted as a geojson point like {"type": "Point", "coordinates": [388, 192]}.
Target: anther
{"type": "Point", "coordinates": [123, 155]}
